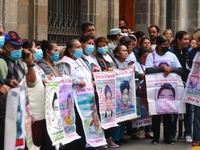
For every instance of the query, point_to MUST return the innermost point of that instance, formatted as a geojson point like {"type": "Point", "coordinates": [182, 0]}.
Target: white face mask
{"type": "Point", "coordinates": [125, 34]}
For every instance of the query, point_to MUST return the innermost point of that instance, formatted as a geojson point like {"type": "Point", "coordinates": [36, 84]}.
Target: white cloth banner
{"type": "Point", "coordinates": [165, 95]}
{"type": "Point", "coordinates": [66, 100]}
{"type": "Point", "coordinates": [125, 95]}
{"type": "Point", "coordinates": [105, 87]}
{"type": "Point", "coordinates": [59, 111]}
{"type": "Point", "coordinates": [192, 90]}
{"type": "Point", "coordinates": [15, 132]}
{"type": "Point", "coordinates": [55, 128]}
{"type": "Point", "coordinates": [86, 106]}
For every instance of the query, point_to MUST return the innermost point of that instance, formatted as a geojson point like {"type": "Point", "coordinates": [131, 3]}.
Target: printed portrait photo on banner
{"type": "Point", "coordinates": [125, 97]}
{"type": "Point", "coordinates": [166, 99]}
{"type": "Point", "coordinates": [193, 82]}
{"type": "Point", "coordinates": [56, 118]}
{"type": "Point", "coordinates": [95, 127]}
{"type": "Point", "coordinates": [68, 116]}
{"type": "Point", "coordinates": [19, 120]}
{"type": "Point", "coordinates": [108, 102]}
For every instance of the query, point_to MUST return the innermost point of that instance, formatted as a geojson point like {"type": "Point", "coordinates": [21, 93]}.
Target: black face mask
{"type": "Point", "coordinates": [165, 49]}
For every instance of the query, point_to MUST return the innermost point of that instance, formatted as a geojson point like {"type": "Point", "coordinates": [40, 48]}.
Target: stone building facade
{"type": "Point", "coordinates": [30, 18]}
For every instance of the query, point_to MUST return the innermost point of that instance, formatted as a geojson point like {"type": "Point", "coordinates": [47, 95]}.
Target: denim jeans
{"type": "Point", "coordinates": [196, 124]}
{"type": "Point", "coordinates": [118, 132]}
{"type": "Point", "coordinates": [188, 120]}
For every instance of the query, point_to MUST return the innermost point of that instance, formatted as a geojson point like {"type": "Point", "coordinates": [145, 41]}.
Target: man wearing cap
{"type": "Point", "coordinates": [12, 69]}
{"type": "Point", "coordinates": [114, 36]}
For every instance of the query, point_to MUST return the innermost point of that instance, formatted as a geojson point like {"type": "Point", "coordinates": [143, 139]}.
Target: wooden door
{"type": "Point", "coordinates": [127, 12]}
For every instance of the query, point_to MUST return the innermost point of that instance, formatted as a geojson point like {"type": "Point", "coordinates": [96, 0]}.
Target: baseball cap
{"type": "Point", "coordinates": [115, 31]}
{"type": "Point", "coordinates": [13, 38]}
{"type": "Point", "coordinates": [124, 40]}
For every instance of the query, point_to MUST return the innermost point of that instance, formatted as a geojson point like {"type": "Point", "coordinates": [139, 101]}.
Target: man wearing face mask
{"type": "Point", "coordinates": [12, 68]}
{"type": "Point", "coordinates": [11, 65]}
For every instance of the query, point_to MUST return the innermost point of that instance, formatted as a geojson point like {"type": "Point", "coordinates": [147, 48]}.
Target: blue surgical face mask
{"type": "Point", "coordinates": [15, 54]}
{"type": "Point", "coordinates": [38, 55]}
{"type": "Point", "coordinates": [102, 50]}
{"type": "Point", "coordinates": [78, 53]}
{"type": "Point", "coordinates": [2, 41]}
{"type": "Point", "coordinates": [89, 49]}
{"type": "Point", "coordinates": [55, 56]}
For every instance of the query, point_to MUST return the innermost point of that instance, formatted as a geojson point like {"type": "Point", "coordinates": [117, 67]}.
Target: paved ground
{"type": "Point", "coordinates": [145, 144]}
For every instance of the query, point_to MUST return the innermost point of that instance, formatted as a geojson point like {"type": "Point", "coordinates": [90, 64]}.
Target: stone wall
{"type": "Point", "coordinates": [103, 13]}
{"type": "Point", "coordinates": [27, 17]}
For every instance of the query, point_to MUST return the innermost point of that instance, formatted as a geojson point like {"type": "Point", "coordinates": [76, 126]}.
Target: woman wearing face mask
{"type": "Point", "coordinates": [87, 42]}
{"type": "Point", "coordinates": [50, 56]}
{"type": "Point", "coordinates": [72, 65]}
{"type": "Point", "coordinates": [105, 60]}
{"type": "Point", "coordinates": [35, 79]}
{"type": "Point", "coordinates": [152, 66]}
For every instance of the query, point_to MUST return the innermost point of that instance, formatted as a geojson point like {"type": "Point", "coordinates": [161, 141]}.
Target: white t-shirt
{"type": "Point", "coordinates": [139, 69]}
{"type": "Point", "coordinates": [168, 59]}
{"type": "Point", "coordinates": [94, 66]}
{"type": "Point", "coordinates": [131, 58]}
{"type": "Point", "coordinates": [80, 71]}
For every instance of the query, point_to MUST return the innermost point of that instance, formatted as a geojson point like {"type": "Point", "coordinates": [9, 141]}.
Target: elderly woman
{"type": "Point", "coordinates": [72, 65]}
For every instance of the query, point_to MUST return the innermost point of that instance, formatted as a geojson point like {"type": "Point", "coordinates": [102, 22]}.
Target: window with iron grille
{"type": "Point", "coordinates": [63, 20]}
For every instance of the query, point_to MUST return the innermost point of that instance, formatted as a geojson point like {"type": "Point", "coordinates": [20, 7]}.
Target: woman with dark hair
{"type": "Point", "coordinates": [162, 54]}
{"type": "Point", "coordinates": [72, 65]}
{"type": "Point", "coordinates": [35, 83]}
{"type": "Point", "coordinates": [50, 55]}
{"type": "Point", "coordinates": [121, 54]}
{"type": "Point", "coordinates": [145, 42]}
{"type": "Point", "coordinates": [105, 60]}
{"type": "Point", "coordinates": [87, 42]}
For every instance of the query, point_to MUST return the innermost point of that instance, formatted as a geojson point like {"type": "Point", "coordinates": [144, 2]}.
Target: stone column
{"type": "Point", "coordinates": [40, 22]}
{"type": "Point", "coordinates": [1, 12]}
{"type": "Point", "coordinates": [103, 13]}
{"type": "Point", "coordinates": [193, 20]}
{"type": "Point", "coordinates": [179, 15]}
{"type": "Point", "coordinates": [162, 21]}
{"type": "Point", "coordinates": [142, 16]}
{"type": "Point", "coordinates": [10, 15]}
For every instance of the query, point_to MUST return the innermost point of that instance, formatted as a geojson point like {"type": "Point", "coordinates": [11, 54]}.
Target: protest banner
{"type": "Point", "coordinates": [143, 112]}
{"type": "Point", "coordinates": [125, 95]}
{"type": "Point", "coordinates": [66, 100]}
{"type": "Point", "coordinates": [192, 90]}
{"type": "Point", "coordinates": [15, 132]}
{"type": "Point", "coordinates": [165, 95]}
{"type": "Point", "coordinates": [105, 87]}
{"type": "Point", "coordinates": [86, 106]}
{"type": "Point", "coordinates": [54, 124]}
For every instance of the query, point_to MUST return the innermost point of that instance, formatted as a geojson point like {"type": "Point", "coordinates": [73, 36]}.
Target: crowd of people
{"type": "Point", "coordinates": [40, 61]}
